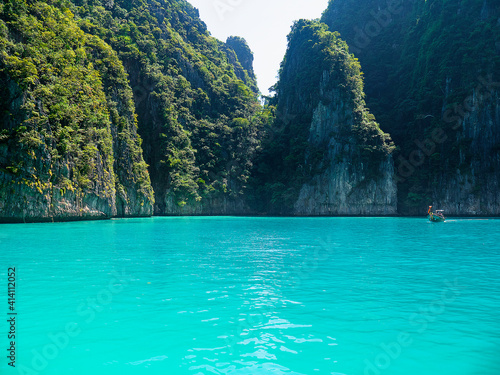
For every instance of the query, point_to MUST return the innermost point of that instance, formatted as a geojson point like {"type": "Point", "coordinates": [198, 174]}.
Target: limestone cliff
{"type": "Point", "coordinates": [241, 57]}
{"type": "Point", "coordinates": [330, 157]}
{"type": "Point", "coordinates": [347, 186]}
{"type": "Point", "coordinates": [222, 206]}
{"type": "Point", "coordinates": [197, 114]}
{"type": "Point", "coordinates": [472, 185]}
{"type": "Point", "coordinates": [99, 96]}
{"type": "Point", "coordinates": [69, 148]}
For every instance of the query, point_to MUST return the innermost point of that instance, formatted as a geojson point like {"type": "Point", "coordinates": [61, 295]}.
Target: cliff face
{"type": "Point", "coordinates": [213, 207]}
{"type": "Point", "coordinates": [105, 101]}
{"type": "Point", "coordinates": [346, 186]}
{"type": "Point", "coordinates": [196, 111]}
{"type": "Point", "coordinates": [426, 66]}
{"type": "Point", "coordinates": [69, 148]}
{"type": "Point", "coordinates": [333, 158]}
{"type": "Point", "coordinates": [473, 188]}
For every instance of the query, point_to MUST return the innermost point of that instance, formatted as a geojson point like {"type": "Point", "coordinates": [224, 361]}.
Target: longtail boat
{"type": "Point", "coordinates": [436, 216]}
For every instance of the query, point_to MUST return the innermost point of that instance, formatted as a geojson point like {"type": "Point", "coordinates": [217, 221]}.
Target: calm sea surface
{"type": "Point", "coordinates": [353, 296]}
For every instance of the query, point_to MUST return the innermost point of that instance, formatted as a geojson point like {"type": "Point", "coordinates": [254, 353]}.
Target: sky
{"type": "Point", "coordinates": [263, 23]}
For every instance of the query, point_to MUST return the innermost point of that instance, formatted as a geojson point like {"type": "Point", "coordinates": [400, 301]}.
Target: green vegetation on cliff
{"type": "Point", "coordinates": [83, 79]}
{"type": "Point", "coordinates": [67, 120]}
{"type": "Point", "coordinates": [198, 120]}
{"type": "Point", "coordinates": [317, 69]}
{"type": "Point", "coordinates": [242, 60]}
{"type": "Point", "coordinates": [129, 108]}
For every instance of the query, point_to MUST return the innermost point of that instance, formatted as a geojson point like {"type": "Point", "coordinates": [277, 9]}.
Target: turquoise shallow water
{"type": "Point", "coordinates": [353, 296]}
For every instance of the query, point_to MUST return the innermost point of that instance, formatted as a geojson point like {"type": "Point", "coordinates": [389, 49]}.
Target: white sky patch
{"type": "Point", "coordinates": [263, 23]}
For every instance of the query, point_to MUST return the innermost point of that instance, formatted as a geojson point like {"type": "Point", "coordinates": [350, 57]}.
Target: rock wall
{"type": "Point", "coordinates": [347, 186]}
{"type": "Point", "coordinates": [69, 148]}
{"type": "Point", "coordinates": [474, 188]}
{"type": "Point", "coordinates": [335, 160]}
{"type": "Point", "coordinates": [425, 65]}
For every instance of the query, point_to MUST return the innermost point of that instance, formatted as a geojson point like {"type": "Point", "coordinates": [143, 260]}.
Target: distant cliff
{"type": "Point", "coordinates": [241, 57]}
{"type": "Point", "coordinates": [432, 73]}
{"type": "Point", "coordinates": [325, 154]}
{"type": "Point", "coordinates": [468, 183]}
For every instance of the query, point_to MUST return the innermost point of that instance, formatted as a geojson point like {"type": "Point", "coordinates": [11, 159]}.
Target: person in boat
{"type": "Point", "coordinates": [429, 212]}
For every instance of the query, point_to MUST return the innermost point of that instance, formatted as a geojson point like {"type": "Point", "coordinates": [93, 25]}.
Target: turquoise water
{"type": "Point", "coordinates": [307, 296]}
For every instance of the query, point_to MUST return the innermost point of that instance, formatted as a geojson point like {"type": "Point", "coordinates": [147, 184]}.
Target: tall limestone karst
{"type": "Point", "coordinates": [325, 154]}
{"type": "Point", "coordinates": [69, 147]}
{"type": "Point", "coordinates": [241, 57]}
{"type": "Point", "coordinates": [432, 78]}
